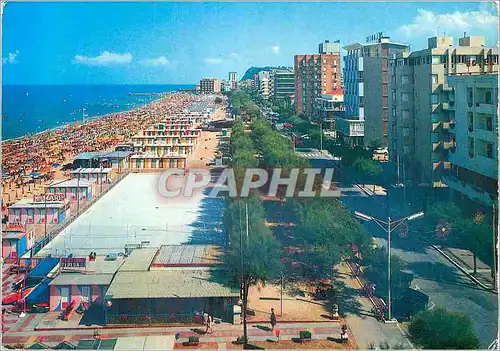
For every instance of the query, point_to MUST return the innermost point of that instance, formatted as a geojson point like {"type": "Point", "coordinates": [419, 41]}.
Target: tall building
{"type": "Point", "coordinates": [233, 79]}
{"type": "Point", "coordinates": [263, 78]}
{"type": "Point", "coordinates": [282, 84]}
{"type": "Point", "coordinates": [366, 84]}
{"type": "Point", "coordinates": [421, 102]}
{"type": "Point", "coordinates": [474, 129]}
{"type": "Point", "coordinates": [316, 74]}
{"type": "Point", "coordinates": [210, 86]}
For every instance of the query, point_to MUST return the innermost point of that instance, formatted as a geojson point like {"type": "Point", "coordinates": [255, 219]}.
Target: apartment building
{"type": "Point", "coordinates": [263, 79]}
{"type": "Point", "coordinates": [233, 80]}
{"type": "Point", "coordinates": [316, 74]}
{"type": "Point", "coordinates": [421, 102]}
{"type": "Point", "coordinates": [282, 84]}
{"type": "Point", "coordinates": [210, 86]}
{"type": "Point", "coordinates": [474, 129]}
{"type": "Point", "coordinates": [365, 82]}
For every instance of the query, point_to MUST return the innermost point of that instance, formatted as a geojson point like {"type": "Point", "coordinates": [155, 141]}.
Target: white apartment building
{"type": "Point", "coordinates": [474, 155]}
{"type": "Point", "coordinates": [421, 105]}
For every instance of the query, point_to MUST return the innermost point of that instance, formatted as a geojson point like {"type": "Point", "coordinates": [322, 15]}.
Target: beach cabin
{"type": "Point", "coordinates": [16, 240]}
{"type": "Point", "coordinates": [82, 280]}
{"type": "Point", "coordinates": [32, 211]}
{"type": "Point", "coordinates": [93, 174]}
{"type": "Point", "coordinates": [70, 188]}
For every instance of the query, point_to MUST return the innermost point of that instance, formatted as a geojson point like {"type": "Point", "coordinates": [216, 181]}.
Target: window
{"type": "Point", "coordinates": [393, 112]}
{"type": "Point", "coordinates": [86, 293]}
{"type": "Point", "coordinates": [489, 150]}
{"type": "Point", "coordinates": [406, 114]}
{"type": "Point", "coordinates": [361, 101]}
{"type": "Point", "coordinates": [404, 97]}
{"type": "Point", "coordinates": [469, 95]}
{"type": "Point", "coordinates": [436, 59]}
{"type": "Point", "coordinates": [404, 79]}
{"type": "Point", "coordinates": [487, 97]}
{"type": "Point", "coordinates": [489, 123]}
{"type": "Point", "coordinates": [434, 98]}
{"type": "Point", "coordinates": [394, 94]}
{"type": "Point", "coordinates": [434, 78]}
{"type": "Point", "coordinates": [406, 131]}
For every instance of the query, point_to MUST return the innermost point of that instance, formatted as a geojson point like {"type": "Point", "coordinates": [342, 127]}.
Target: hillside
{"type": "Point", "coordinates": [253, 70]}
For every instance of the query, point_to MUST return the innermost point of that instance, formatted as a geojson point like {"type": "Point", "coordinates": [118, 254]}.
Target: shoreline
{"type": "Point", "coordinates": [96, 117]}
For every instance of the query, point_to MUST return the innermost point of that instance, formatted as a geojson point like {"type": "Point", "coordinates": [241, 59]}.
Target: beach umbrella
{"type": "Point", "coordinates": [35, 175]}
{"type": "Point", "coordinates": [55, 165]}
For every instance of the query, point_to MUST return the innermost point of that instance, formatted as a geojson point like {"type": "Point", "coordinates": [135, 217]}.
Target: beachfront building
{"type": "Point", "coordinates": [118, 159]}
{"type": "Point", "coordinates": [316, 74]}
{"type": "Point", "coordinates": [473, 127]}
{"type": "Point", "coordinates": [71, 187]}
{"type": "Point", "coordinates": [422, 103]}
{"type": "Point", "coordinates": [82, 281]}
{"type": "Point", "coordinates": [17, 239]}
{"type": "Point", "coordinates": [366, 78]}
{"type": "Point", "coordinates": [174, 283]}
{"type": "Point", "coordinates": [96, 175]}
{"type": "Point", "coordinates": [37, 211]}
{"type": "Point", "coordinates": [209, 86]}
{"type": "Point", "coordinates": [164, 145]}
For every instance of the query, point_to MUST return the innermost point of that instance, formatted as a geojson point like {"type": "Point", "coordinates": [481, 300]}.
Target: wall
{"type": "Point", "coordinates": [75, 294]}
{"type": "Point", "coordinates": [373, 99]}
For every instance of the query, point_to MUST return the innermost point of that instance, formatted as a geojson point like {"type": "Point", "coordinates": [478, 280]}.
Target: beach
{"type": "Point", "coordinates": [31, 162]}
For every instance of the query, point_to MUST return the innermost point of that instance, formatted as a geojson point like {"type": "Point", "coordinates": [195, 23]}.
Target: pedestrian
{"type": "Point", "coordinates": [273, 319]}
{"type": "Point", "coordinates": [210, 321]}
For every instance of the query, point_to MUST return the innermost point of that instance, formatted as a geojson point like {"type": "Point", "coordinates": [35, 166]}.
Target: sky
{"type": "Point", "coordinates": [178, 43]}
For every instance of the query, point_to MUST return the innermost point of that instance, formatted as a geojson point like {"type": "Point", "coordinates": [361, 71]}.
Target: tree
{"type": "Point", "coordinates": [440, 329]}
{"type": "Point", "coordinates": [254, 258]}
{"type": "Point", "coordinates": [325, 229]}
{"type": "Point", "coordinates": [367, 168]}
{"type": "Point", "coordinates": [471, 231]}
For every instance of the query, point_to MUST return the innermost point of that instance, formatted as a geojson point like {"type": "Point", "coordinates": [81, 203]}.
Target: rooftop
{"type": "Point", "coordinates": [188, 255]}
{"type": "Point", "coordinates": [27, 202]}
{"type": "Point", "coordinates": [70, 183]}
{"type": "Point", "coordinates": [91, 170]}
{"type": "Point", "coordinates": [139, 260]}
{"type": "Point", "coordinates": [82, 279]}
{"type": "Point", "coordinates": [102, 155]}
{"type": "Point", "coordinates": [170, 284]}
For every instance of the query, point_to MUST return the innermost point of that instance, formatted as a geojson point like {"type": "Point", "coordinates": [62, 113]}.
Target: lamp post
{"type": "Point", "coordinates": [388, 227]}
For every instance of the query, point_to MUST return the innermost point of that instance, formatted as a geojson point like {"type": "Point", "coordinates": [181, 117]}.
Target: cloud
{"type": "Point", "coordinates": [155, 62]}
{"type": "Point", "coordinates": [224, 58]}
{"type": "Point", "coordinates": [214, 61]}
{"type": "Point", "coordinates": [428, 22]}
{"type": "Point", "coordinates": [106, 58]}
{"type": "Point", "coordinates": [11, 58]}
{"type": "Point", "coordinates": [276, 49]}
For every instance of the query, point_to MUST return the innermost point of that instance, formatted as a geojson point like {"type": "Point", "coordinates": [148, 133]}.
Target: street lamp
{"type": "Point", "coordinates": [388, 227]}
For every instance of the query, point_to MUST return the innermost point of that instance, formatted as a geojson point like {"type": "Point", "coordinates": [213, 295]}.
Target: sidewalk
{"type": "Point", "coordinates": [365, 326]}
{"type": "Point", "coordinates": [466, 260]}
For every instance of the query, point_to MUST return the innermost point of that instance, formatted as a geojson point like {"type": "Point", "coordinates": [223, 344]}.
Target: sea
{"type": "Point", "coordinates": [31, 109]}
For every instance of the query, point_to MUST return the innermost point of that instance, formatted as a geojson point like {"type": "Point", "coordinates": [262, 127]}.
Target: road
{"type": "Point", "coordinates": [435, 276]}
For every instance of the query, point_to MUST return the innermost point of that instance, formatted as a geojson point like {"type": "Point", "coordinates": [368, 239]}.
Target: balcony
{"type": "Point", "coordinates": [447, 88]}
{"type": "Point", "coordinates": [485, 108]}
{"type": "Point", "coordinates": [472, 192]}
{"type": "Point", "coordinates": [435, 126]}
{"type": "Point", "coordinates": [447, 145]}
{"type": "Point", "coordinates": [447, 106]}
{"type": "Point", "coordinates": [436, 145]}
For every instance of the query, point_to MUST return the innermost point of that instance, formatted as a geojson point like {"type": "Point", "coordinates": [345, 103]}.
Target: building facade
{"type": "Point", "coordinates": [366, 77]}
{"type": "Point", "coordinates": [329, 107]}
{"type": "Point", "coordinates": [233, 79]}
{"type": "Point", "coordinates": [422, 106]}
{"type": "Point", "coordinates": [474, 129]}
{"type": "Point", "coordinates": [282, 84]}
{"type": "Point", "coordinates": [210, 86]}
{"type": "Point", "coordinates": [315, 75]}
{"type": "Point", "coordinates": [263, 84]}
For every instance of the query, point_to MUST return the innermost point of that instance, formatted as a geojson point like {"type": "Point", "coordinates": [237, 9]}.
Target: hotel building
{"type": "Point", "coordinates": [282, 84]}
{"type": "Point", "coordinates": [474, 129]}
{"type": "Point", "coordinates": [164, 145]}
{"type": "Point", "coordinates": [422, 132]}
{"type": "Point", "coordinates": [366, 77]}
{"type": "Point", "coordinates": [315, 75]}
{"type": "Point", "coordinates": [210, 86]}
